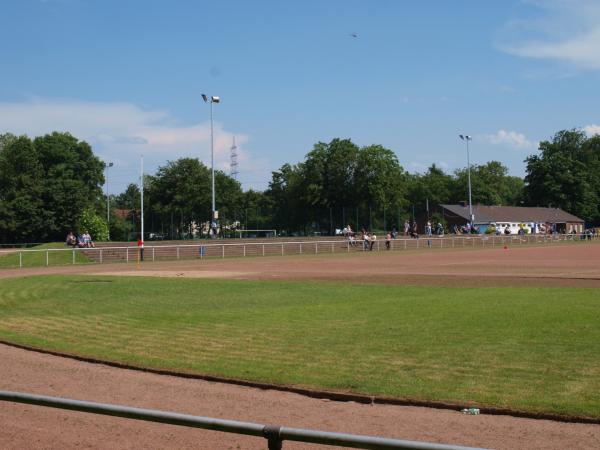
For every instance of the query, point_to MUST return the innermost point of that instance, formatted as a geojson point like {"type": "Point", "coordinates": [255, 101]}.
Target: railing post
{"type": "Point", "coordinates": [46, 258]}
{"type": "Point", "coordinates": [73, 256]}
{"type": "Point", "coordinates": [244, 249]}
{"type": "Point", "coordinates": [404, 244]}
{"type": "Point", "coordinates": [263, 249]}
{"type": "Point", "coordinates": [223, 254]}
{"type": "Point", "coordinates": [153, 248]}
{"type": "Point", "coordinates": [282, 249]}
{"type": "Point", "coordinates": [332, 247]}
{"type": "Point", "coordinates": [126, 254]}
{"type": "Point", "coordinates": [20, 260]}
{"type": "Point", "coordinates": [178, 252]}
{"type": "Point", "coordinates": [100, 256]}
{"type": "Point", "coordinates": [300, 247]}
{"type": "Point", "coordinates": [271, 434]}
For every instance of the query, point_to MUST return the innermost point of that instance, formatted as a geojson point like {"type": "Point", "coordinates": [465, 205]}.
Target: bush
{"type": "Point", "coordinates": [93, 224]}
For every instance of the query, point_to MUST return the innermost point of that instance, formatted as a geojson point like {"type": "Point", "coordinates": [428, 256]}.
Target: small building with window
{"type": "Point", "coordinates": [514, 218]}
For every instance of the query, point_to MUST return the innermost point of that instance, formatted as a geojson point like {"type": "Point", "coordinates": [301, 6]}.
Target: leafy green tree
{"type": "Point", "coordinates": [565, 174]}
{"type": "Point", "coordinates": [71, 181]}
{"type": "Point", "coordinates": [255, 211]}
{"type": "Point", "coordinates": [336, 175]}
{"type": "Point", "coordinates": [433, 188]}
{"type": "Point", "coordinates": [288, 212]}
{"type": "Point", "coordinates": [180, 194]}
{"type": "Point", "coordinates": [491, 185]}
{"type": "Point", "coordinates": [93, 224]}
{"type": "Point", "coordinates": [128, 199]}
{"type": "Point", "coordinates": [380, 181]}
{"type": "Point", "coordinates": [22, 212]}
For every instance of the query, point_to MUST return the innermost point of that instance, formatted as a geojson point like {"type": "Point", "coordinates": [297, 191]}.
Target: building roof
{"type": "Point", "coordinates": [122, 213]}
{"type": "Point", "coordinates": [487, 214]}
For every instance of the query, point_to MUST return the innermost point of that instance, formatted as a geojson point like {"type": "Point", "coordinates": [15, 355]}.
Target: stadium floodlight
{"type": "Point", "coordinates": [214, 214]}
{"type": "Point", "coordinates": [468, 138]}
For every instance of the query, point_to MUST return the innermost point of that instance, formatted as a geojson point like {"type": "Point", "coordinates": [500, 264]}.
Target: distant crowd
{"type": "Point", "coordinates": [79, 241]}
{"type": "Point", "coordinates": [368, 239]}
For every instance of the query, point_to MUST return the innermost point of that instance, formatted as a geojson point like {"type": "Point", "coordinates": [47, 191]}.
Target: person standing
{"type": "Point", "coordinates": [365, 239]}
{"type": "Point", "coordinates": [388, 241]}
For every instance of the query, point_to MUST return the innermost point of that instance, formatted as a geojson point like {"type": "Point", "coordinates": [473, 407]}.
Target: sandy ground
{"type": "Point", "coordinates": [31, 427]}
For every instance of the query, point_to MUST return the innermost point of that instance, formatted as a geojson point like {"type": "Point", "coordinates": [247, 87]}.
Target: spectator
{"type": "Point", "coordinates": [413, 231]}
{"type": "Point", "coordinates": [351, 240]}
{"type": "Point", "coordinates": [71, 239]}
{"type": "Point", "coordinates": [439, 229]}
{"type": "Point", "coordinates": [365, 239]}
{"type": "Point", "coordinates": [87, 240]}
{"type": "Point", "coordinates": [388, 241]}
{"type": "Point", "coordinates": [372, 239]}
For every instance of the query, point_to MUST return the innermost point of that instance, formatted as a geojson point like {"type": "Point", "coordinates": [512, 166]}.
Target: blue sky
{"type": "Point", "coordinates": [127, 76]}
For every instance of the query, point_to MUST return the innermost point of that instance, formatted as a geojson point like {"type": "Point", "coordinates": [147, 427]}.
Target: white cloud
{"type": "Point", "coordinates": [566, 31]}
{"type": "Point", "coordinates": [510, 138]}
{"type": "Point", "coordinates": [120, 132]}
{"type": "Point", "coordinates": [592, 130]}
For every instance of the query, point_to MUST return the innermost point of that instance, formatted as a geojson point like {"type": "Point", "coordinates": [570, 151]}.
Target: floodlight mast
{"type": "Point", "coordinates": [214, 215]}
{"type": "Point", "coordinates": [468, 138]}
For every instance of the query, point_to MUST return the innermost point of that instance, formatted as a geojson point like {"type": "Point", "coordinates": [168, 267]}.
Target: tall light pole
{"type": "Point", "coordinates": [468, 138]}
{"type": "Point", "coordinates": [214, 214]}
{"type": "Point", "coordinates": [110, 164]}
{"type": "Point", "coordinates": [142, 207]}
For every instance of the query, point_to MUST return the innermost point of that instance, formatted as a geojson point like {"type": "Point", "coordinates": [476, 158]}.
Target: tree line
{"type": "Point", "coordinates": [53, 183]}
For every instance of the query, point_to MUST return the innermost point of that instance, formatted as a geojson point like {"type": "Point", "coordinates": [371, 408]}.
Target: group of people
{"type": "Point", "coordinates": [79, 241]}
{"type": "Point", "coordinates": [367, 238]}
{"type": "Point", "coordinates": [439, 229]}
{"type": "Point", "coordinates": [411, 229]}
{"type": "Point", "coordinates": [468, 228]}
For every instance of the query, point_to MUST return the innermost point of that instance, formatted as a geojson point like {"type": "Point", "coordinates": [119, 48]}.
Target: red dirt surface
{"type": "Point", "coordinates": [31, 427]}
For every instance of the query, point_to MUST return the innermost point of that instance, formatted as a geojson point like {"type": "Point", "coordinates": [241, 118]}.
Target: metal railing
{"type": "Point", "coordinates": [209, 249]}
{"type": "Point", "coordinates": [274, 434]}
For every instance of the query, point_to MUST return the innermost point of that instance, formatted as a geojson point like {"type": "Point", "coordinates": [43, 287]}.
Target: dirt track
{"type": "Point", "coordinates": [28, 427]}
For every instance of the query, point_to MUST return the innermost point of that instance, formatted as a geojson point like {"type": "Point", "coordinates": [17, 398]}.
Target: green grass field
{"type": "Point", "coordinates": [532, 349]}
{"type": "Point", "coordinates": [38, 258]}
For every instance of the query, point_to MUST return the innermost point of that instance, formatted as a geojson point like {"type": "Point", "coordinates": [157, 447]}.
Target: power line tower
{"type": "Point", "coordinates": [233, 164]}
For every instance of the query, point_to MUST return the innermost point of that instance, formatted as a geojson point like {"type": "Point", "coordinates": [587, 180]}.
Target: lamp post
{"type": "Point", "coordinates": [468, 138]}
{"type": "Point", "coordinates": [141, 242]}
{"type": "Point", "coordinates": [214, 213]}
{"type": "Point", "coordinates": [110, 164]}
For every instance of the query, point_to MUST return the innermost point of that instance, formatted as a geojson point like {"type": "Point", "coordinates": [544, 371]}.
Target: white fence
{"type": "Point", "coordinates": [232, 249]}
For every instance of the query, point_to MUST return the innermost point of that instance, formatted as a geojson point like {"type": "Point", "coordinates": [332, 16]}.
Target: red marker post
{"type": "Point", "coordinates": [140, 244]}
